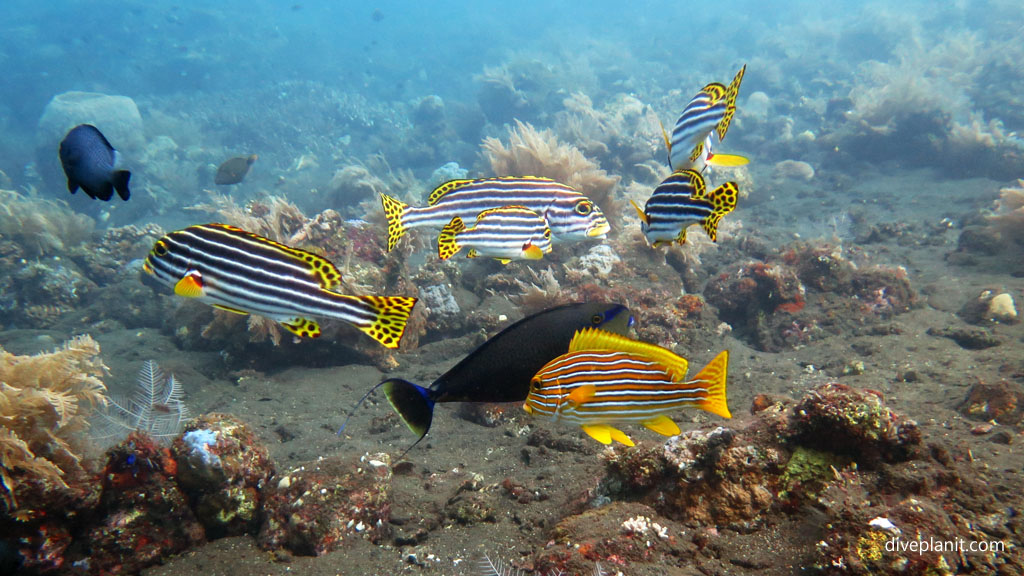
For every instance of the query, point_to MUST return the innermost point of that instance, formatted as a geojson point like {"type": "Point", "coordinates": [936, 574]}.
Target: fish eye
{"type": "Point", "coordinates": [160, 249]}
{"type": "Point", "coordinates": [547, 234]}
{"type": "Point", "coordinates": [535, 384]}
{"type": "Point", "coordinates": [584, 207]}
{"type": "Point", "coordinates": [596, 319]}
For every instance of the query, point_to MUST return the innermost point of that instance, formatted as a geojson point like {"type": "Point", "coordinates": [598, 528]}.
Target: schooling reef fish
{"type": "Point", "coordinates": [241, 272]}
{"type": "Point", "coordinates": [233, 170]}
{"type": "Point", "coordinates": [92, 164]}
{"type": "Point", "coordinates": [569, 214]}
{"type": "Point", "coordinates": [680, 201]}
{"type": "Point", "coordinates": [507, 233]}
{"type": "Point", "coordinates": [711, 110]}
{"type": "Point", "coordinates": [608, 379]}
{"type": "Point", "coordinates": [499, 370]}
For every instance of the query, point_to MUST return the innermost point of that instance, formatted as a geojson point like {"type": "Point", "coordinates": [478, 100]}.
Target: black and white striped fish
{"type": "Point", "coordinates": [569, 214]}
{"type": "Point", "coordinates": [607, 379]}
{"type": "Point", "coordinates": [245, 273]}
{"type": "Point", "coordinates": [507, 233]}
{"type": "Point", "coordinates": [682, 200]}
{"type": "Point", "coordinates": [711, 110]}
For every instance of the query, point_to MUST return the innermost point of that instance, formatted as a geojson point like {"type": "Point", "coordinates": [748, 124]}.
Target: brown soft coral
{"type": "Point", "coordinates": [44, 403]}
{"type": "Point", "coordinates": [1008, 218]}
{"type": "Point", "coordinates": [533, 152]}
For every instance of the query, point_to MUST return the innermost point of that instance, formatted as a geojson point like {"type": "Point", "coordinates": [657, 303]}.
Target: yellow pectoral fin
{"type": "Point", "coordinates": [533, 252]}
{"type": "Point", "coordinates": [503, 260]}
{"type": "Point", "coordinates": [662, 425]}
{"type": "Point", "coordinates": [230, 309]}
{"type": "Point", "coordinates": [302, 327]}
{"type": "Point", "coordinates": [190, 286]}
{"type": "Point", "coordinates": [582, 394]}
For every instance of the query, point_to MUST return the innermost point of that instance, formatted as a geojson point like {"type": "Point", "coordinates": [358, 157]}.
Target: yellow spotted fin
{"type": "Point", "coordinates": [723, 199]}
{"type": "Point", "coordinates": [391, 313]}
{"type": "Point", "coordinates": [302, 327]}
{"type": "Point", "coordinates": [445, 188]}
{"type": "Point", "coordinates": [447, 241]}
{"type": "Point", "coordinates": [712, 378]}
{"type": "Point", "coordinates": [597, 339]}
{"type": "Point", "coordinates": [604, 434]}
{"type": "Point", "coordinates": [730, 103]}
{"type": "Point", "coordinates": [394, 211]}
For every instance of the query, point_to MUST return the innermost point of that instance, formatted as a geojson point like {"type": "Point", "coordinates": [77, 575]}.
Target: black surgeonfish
{"type": "Point", "coordinates": [500, 369]}
{"type": "Point", "coordinates": [92, 164]}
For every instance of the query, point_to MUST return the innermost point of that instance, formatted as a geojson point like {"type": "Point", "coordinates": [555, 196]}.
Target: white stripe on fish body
{"type": "Point", "coordinates": [699, 119]}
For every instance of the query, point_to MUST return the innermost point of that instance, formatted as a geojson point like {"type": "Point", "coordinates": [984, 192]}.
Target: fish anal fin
{"type": "Point", "coordinates": [230, 309]}
{"type": "Point", "coordinates": [597, 339]}
{"type": "Point", "coordinates": [447, 241]}
{"type": "Point", "coordinates": [620, 436]}
{"type": "Point", "coordinates": [302, 327]}
{"type": "Point", "coordinates": [662, 425]}
{"type": "Point", "coordinates": [712, 377]}
{"type": "Point", "coordinates": [681, 238]}
{"type": "Point", "coordinates": [582, 394]}
{"type": "Point", "coordinates": [394, 211]}
{"type": "Point", "coordinates": [190, 285]}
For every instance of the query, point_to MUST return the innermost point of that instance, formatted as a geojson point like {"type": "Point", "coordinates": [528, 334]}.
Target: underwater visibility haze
{"type": "Point", "coordinates": [770, 256]}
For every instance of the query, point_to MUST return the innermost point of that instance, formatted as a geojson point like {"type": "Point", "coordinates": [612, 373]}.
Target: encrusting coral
{"type": "Point", "coordinates": [533, 152]}
{"type": "Point", "coordinates": [44, 402]}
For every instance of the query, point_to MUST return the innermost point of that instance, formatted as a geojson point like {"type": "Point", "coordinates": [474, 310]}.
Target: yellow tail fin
{"type": "Point", "coordinates": [447, 244]}
{"type": "Point", "coordinates": [391, 313]}
{"type": "Point", "coordinates": [712, 377]}
{"type": "Point", "coordinates": [730, 103]}
{"type": "Point", "coordinates": [723, 199]}
{"type": "Point", "coordinates": [394, 209]}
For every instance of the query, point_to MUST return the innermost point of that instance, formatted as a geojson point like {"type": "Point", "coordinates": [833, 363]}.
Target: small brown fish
{"type": "Point", "coordinates": [233, 170]}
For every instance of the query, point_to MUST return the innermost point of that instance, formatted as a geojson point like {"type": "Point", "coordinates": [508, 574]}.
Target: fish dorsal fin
{"type": "Point", "coordinates": [597, 339]}
{"type": "Point", "coordinates": [640, 213]}
{"type": "Point", "coordinates": [322, 270]}
{"type": "Point", "coordinates": [723, 201]}
{"type": "Point", "coordinates": [730, 103]}
{"type": "Point", "coordinates": [445, 188]}
{"type": "Point", "coordinates": [715, 91]}
{"type": "Point", "coordinates": [696, 183]}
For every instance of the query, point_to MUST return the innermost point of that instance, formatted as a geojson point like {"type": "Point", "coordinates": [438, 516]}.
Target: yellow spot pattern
{"type": "Point", "coordinates": [730, 103]}
{"type": "Point", "coordinates": [303, 328]}
{"type": "Point", "coordinates": [394, 209]}
{"type": "Point", "coordinates": [723, 199]}
{"type": "Point", "coordinates": [447, 245]}
{"type": "Point", "coordinates": [392, 314]}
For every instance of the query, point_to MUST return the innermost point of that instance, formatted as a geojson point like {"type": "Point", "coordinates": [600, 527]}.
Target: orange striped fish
{"type": "Point", "coordinates": [608, 379]}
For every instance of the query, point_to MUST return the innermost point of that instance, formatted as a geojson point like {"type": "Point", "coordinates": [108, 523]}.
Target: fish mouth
{"type": "Point", "coordinates": [599, 231]}
{"type": "Point", "coordinates": [528, 409]}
